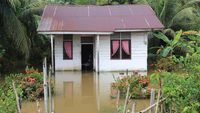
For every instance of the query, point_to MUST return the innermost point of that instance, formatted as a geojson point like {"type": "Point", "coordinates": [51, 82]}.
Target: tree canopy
{"type": "Point", "coordinates": [20, 18]}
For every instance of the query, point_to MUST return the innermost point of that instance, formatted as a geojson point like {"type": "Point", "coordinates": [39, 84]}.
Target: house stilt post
{"type": "Point", "coordinates": [52, 54]}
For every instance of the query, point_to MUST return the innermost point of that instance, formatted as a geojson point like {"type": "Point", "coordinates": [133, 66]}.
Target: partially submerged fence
{"type": "Point", "coordinates": [48, 97]}
{"type": "Point", "coordinates": [152, 108]}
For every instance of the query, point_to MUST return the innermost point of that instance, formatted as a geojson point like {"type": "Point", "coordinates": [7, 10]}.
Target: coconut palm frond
{"type": "Point", "coordinates": [14, 28]}
{"type": "Point", "coordinates": [32, 11]}
{"type": "Point", "coordinates": [186, 18]}
{"type": "Point", "coordinates": [186, 12]}
{"type": "Point", "coordinates": [156, 5]}
{"type": "Point", "coordinates": [186, 25]}
{"type": "Point", "coordinates": [190, 4]}
{"type": "Point", "coordinates": [33, 8]}
{"type": "Point", "coordinates": [141, 1]}
{"type": "Point", "coordinates": [36, 4]}
{"type": "Point", "coordinates": [14, 3]}
{"type": "Point", "coordinates": [168, 11]}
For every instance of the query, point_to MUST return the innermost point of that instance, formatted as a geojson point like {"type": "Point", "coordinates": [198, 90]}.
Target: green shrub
{"type": "Point", "coordinates": [30, 82]}
{"type": "Point", "coordinates": [7, 98]}
{"type": "Point", "coordinates": [137, 83]}
{"type": "Point", "coordinates": [166, 64]}
{"type": "Point", "coordinates": [182, 91]}
{"type": "Point", "coordinates": [189, 63]}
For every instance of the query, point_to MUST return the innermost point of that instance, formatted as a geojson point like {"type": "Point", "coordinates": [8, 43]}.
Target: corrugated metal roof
{"type": "Point", "coordinates": [67, 18]}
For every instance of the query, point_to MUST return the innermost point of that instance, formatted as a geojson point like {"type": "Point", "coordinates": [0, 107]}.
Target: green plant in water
{"type": "Point", "coordinates": [7, 97]}
{"type": "Point", "coordinates": [137, 83]}
{"type": "Point", "coordinates": [182, 91]}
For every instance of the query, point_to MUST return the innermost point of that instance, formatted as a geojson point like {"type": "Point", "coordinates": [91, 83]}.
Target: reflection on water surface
{"type": "Point", "coordinates": [85, 92]}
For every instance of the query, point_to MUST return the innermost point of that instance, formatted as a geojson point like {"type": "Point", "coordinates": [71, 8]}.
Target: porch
{"type": "Point", "coordinates": [75, 52]}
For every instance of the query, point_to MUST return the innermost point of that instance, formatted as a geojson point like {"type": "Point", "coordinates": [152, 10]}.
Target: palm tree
{"type": "Point", "coordinates": [19, 21]}
{"type": "Point", "coordinates": [13, 28]}
{"type": "Point", "coordinates": [176, 14]}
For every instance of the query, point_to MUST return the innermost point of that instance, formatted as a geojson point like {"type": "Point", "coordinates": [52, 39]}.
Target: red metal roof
{"type": "Point", "coordinates": [68, 18]}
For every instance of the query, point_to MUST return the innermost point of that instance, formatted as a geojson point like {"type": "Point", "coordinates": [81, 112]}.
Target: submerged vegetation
{"type": "Point", "coordinates": [29, 85]}
{"type": "Point", "coordinates": [182, 91]}
{"type": "Point", "coordinates": [138, 85]}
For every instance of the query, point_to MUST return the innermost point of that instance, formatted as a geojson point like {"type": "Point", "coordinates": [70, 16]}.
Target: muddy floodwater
{"type": "Point", "coordinates": [84, 92]}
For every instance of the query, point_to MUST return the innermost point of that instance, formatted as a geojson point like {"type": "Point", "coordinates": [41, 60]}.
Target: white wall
{"type": "Point", "coordinates": [73, 64]}
{"type": "Point", "coordinates": [138, 59]}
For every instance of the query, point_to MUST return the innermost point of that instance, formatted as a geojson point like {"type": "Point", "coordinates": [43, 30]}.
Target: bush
{"type": "Point", "coordinates": [182, 91]}
{"type": "Point", "coordinates": [7, 100]}
{"type": "Point", "coordinates": [7, 97]}
{"type": "Point", "coordinates": [166, 64]}
{"type": "Point", "coordinates": [29, 85]}
{"type": "Point", "coordinates": [189, 64]}
{"type": "Point", "coordinates": [138, 84]}
{"type": "Point", "coordinates": [30, 82]}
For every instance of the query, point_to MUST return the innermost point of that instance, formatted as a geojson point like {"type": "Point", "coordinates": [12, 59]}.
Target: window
{"type": "Point", "coordinates": [67, 47]}
{"type": "Point", "coordinates": [120, 46]}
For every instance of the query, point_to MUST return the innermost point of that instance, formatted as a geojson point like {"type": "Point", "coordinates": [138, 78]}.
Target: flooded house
{"type": "Point", "coordinates": [100, 38]}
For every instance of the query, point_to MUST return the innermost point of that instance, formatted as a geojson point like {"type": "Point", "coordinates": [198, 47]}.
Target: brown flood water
{"type": "Point", "coordinates": [83, 92]}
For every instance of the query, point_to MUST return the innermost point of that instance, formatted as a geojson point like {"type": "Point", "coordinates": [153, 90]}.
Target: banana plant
{"type": "Point", "coordinates": [170, 44]}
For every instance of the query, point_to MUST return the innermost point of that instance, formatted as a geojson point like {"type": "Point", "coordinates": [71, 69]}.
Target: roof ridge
{"type": "Point", "coordinates": [68, 5]}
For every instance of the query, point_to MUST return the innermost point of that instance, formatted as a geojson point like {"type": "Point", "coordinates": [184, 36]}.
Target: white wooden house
{"type": "Point", "coordinates": [100, 38]}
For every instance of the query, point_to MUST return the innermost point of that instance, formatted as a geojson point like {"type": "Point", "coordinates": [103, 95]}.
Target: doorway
{"type": "Point", "coordinates": [87, 57]}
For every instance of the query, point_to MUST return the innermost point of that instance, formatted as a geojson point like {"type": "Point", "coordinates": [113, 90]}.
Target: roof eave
{"type": "Point", "coordinates": [99, 32]}
{"type": "Point", "coordinates": [63, 32]}
{"type": "Point", "coordinates": [138, 30]}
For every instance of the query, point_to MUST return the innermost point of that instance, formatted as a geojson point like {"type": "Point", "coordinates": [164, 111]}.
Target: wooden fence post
{"type": "Point", "coordinates": [45, 85]}
{"type": "Point", "coordinates": [53, 81]}
{"type": "Point", "coordinates": [127, 72]}
{"type": "Point", "coordinates": [133, 107]}
{"type": "Point", "coordinates": [50, 96]}
{"type": "Point", "coordinates": [38, 106]}
{"type": "Point", "coordinates": [17, 98]}
{"type": "Point", "coordinates": [152, 99]}
{"type": "Point", "coordinates": [118, 97]}
{"type": "Point", "coordinates": [126, 100]}
{"type": "Point", "coordinates": [158, 99]}
{"type": "Point", "coordinates": [148, 108]}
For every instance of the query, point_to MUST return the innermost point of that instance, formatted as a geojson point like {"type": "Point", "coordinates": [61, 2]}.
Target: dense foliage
{"type": "Point", "coordinates": [7, 99]}
{"type": "Point", "coordinates": [178, 74]}
{"type": "Point", "coordinates": [29, 86]}
{"type": "Point", "coordinates": [23, 46]}
{"type": "Point", "coordinates": [31, 82]}
{"type": "Point", "coordinates": [2, 51]}
{"type": "Point", "coordinates": [18, 36]}
{"type": "Point", "coordinates": [182, 91]}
